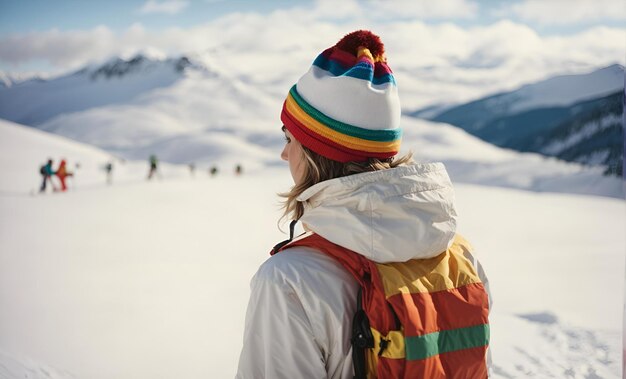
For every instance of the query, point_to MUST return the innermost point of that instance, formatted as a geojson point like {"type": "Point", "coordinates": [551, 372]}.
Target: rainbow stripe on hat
{"type": "Point", "coordinates": [346, 107]}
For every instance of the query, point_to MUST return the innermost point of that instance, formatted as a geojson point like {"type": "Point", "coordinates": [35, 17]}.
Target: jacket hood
{"type": "Point", "coordinates": [387, 216]}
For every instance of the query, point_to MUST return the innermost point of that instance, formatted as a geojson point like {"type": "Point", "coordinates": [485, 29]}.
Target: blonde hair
{"type": "Point", "coordinates": [318, 168]}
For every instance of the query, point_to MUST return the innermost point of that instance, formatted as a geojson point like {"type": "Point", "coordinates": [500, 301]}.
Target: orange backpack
{"type": "Point", "coordinates": [425, 318]}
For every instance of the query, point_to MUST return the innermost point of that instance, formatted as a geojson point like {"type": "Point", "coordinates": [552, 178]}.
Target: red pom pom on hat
{"type": "Point", "coordinates": [351, 42]}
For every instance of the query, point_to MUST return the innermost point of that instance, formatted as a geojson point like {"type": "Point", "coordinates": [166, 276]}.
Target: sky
{"type": "Point", "coordinates": [50, 37]}
{"type": "Point", "coordinates": [40, 15]}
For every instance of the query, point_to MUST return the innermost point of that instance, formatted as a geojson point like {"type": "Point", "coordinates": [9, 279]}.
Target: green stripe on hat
{"type": "Point", "coordinates": [383, 135]}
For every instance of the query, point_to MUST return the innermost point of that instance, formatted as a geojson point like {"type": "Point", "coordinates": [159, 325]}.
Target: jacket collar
{"type": "Point", "coordinates": [387, 216]}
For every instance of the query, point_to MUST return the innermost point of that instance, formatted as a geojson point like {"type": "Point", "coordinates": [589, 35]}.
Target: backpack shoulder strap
{"type": "Point", "coordinates": [370, 295]}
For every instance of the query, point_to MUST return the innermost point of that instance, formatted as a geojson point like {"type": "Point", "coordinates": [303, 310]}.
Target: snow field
{"type": "Point", "coordinates": [150, 279]}
{"type": "Point", "coordinates": [142, 280]}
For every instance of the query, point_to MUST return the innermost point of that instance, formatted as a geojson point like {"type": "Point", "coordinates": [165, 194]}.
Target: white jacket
{"type": "Point", "coordinates": [299, 318]}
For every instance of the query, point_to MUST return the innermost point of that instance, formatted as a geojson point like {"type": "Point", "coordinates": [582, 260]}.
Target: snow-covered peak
{"type": "Point", "coordinates": [5, 80]}
{"type": "Point", "coordinates": [115, 81]}
{"type": "Point", "coordinates": [560, 90]}
{"type": "Point", "coordinates": [118, 67]}
{"type": "Point", "coordinates": [10, 79]}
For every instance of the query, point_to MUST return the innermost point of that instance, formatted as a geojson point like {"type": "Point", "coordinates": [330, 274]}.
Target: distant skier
{"type": "Point", "coordinates": [238, 170]}
{"type": "Point", "coordinates": [62, 173]}
{"type": "Point", "coordinates": [46, 173]}
{"type": "Point", "coordinates": [214, 170]}
{"type": "Point", "coordinates": [154, 162]}
{"type": "Point", "coordinates": [109, 170]}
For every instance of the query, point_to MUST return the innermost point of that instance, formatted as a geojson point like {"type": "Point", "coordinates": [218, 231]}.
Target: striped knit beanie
{"type": "Point", "coordinates": [346, 107]}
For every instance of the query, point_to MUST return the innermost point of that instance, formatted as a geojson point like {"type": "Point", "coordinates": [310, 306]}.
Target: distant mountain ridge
{"type": "Point", "coordinates": [557, 112]}
{"type": "Point", "coordinates": [558, 91]}
{"type": "Point", "coordinates": [119, 67]}
{"type": "Point", "coordinates": [184, 109]}
{"type": "Point", "coordinates": [32, 102]}
{"type": "Point", "coordinates": [196, 109]}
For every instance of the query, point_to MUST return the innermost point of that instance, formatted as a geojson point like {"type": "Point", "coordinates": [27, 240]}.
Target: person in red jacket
{"type": "Point", "coordinates": [62, 173]}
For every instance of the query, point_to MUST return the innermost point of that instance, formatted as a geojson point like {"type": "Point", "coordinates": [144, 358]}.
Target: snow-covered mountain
{"type": "Point", "coordinates": [179, 109]}
{"type": "Point", "coordinates": [588, 132]}
{"type": "Point", "coordinates": [472, 160]}
{"type": "Point", "coordinates": [538, 117]}
{"type": "Point", "coordinates": [559, 91]}
{"type": "Point", "coordinates": [192, 110]}
{"type": "Point", "coordinates": [117, 81]}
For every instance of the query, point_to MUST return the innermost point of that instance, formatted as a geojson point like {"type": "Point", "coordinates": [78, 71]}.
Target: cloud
{"type": "Point", "coordinates": [433, 62]}
{"type": "Point", "coordinates": [165, 6]}
{"type": "Point", "coordinates": [423, 9]}
{"type": "Point", "coordinates": [62, 49]}
{"type": "Point", "coordinates": [397, 9]}
{"type": "Point", "coordinates": [569, 11]}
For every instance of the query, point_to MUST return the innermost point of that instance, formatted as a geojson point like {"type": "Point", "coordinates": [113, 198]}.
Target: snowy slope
{"type": "Point", "coordinates": [594, 135]}
{"type": "Point", "coordinates": [116, 81]}
{"type": "Point", "coordinates": [203, 117]}
{"type": "Point", "coordinates": [541, 117]}
{"type": "Point", "coordinates": [12, 367]}
{"type": "Point", "coordinates": [471, 160]}
{"type": "Point", "coordinates": [560, 90]}
{"type": "Point", "coordinates": [150, 279]}
{"type": "Point", "coordinates": [585, 131]}
{"type": "Point", "coordinates": [571, 88]}
{"type": "Point", "coordinates": [23, 150]}
{"type": "Point", "coordinates": [468, 159]}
